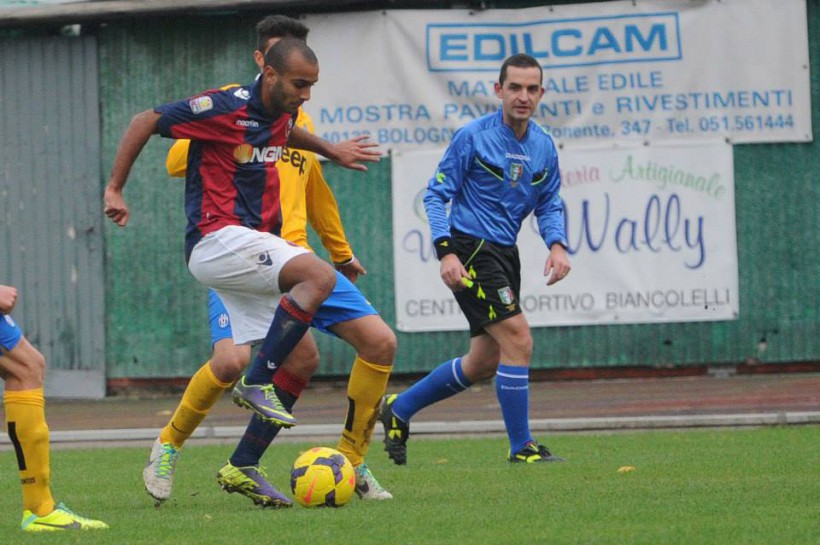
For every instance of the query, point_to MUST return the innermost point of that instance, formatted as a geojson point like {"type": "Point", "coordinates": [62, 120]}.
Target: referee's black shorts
{"type": "Point", "coordinates": [496, 272]}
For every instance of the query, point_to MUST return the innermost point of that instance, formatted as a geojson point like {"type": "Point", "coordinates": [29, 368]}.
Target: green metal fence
{"type": "Point", "coordinates": [157, 312]}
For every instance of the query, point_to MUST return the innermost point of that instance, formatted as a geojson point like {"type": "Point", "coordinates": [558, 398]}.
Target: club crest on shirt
{"type": "Point", "coordinates": [516, 170]}
{"type": "Point", "coordinates": [223, 320]}
{"type": "Point", "coordinates": [201, 104]}
{"type": "Point", "coordinates": [506, 295]}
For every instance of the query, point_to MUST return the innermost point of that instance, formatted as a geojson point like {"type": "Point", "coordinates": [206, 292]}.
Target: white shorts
{"type": "Point", "coordinates": [242, 265]}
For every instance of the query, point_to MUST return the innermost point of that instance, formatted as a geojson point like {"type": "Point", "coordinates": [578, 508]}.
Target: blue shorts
{"type": "Point", "coordinates": [10, 333]}
{"type": "Point", "coordinates": [345, 303]}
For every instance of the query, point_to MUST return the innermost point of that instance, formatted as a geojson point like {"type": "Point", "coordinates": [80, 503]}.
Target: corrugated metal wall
{"type": "Point", "coordinates": [50, 215]}
{"type": "Point", "coordinates": [156, 312]}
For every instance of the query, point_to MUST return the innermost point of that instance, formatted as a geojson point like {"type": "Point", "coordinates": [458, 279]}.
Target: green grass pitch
{"type": "Point", "coordinates": [723, 487]}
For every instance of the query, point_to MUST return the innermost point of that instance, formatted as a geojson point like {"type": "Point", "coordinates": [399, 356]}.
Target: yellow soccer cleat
{"type": "Point", "coordinates": [62, 518]}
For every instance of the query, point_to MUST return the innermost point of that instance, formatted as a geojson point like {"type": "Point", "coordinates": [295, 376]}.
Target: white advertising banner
{"type": "Point", "coordinates": [651, 232]}
{"type": "Point", "coordinates": [648, 70]}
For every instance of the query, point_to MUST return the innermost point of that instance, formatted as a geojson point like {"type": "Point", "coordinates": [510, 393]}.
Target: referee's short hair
{"type": "Point", "coordinates": [519, 60]}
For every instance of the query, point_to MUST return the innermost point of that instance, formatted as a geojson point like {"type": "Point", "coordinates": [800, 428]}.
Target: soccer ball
{"type": "Point", "coordinates": [322, 477]}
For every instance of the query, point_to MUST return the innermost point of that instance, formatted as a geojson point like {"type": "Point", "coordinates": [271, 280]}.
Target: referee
{"type": "Point", "coordinates": [496, 171]}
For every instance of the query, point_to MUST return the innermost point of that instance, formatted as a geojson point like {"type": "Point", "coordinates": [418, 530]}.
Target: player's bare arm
{"type": "Point", "coordinates": [557, 264]}
{"type": "Point", "coordinates": [139, 131]}
{"type": "Point", "coordinates": [349, 153]}
{"type": "Point", "coordinates": [8, 298]}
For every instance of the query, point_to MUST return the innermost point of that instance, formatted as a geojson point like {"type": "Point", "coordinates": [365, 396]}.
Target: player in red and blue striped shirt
{"type": "Point", "coordinates": [233, 144]}
{"type": "Point", "coordinates": [232, 204]}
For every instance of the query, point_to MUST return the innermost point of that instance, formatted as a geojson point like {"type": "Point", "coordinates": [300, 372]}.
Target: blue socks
{"type": "Point", "coordinates": [512, 386]}
{"type": "Point", "coordinates": [289, 325]}
{"type": "Point", "coordinates": [444, 381]}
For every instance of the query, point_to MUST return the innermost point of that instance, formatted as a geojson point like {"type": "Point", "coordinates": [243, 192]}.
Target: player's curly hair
{"type": "Point", "coordinates": [278, 26]}
{"type": "Point", "coordinates": [519, 60]}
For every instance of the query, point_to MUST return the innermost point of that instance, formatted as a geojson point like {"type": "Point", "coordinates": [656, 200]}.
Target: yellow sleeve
{"type": "Point", "coordinates": [177, 161]}
{"type": "Point", "coordinates": [305, 196]}
{"type": "Point", "coordinates": [292, 169]}
{"type": "Point", "coordinates": [323, 214]}
{"type": "Point", "coordinates": [304, 120]}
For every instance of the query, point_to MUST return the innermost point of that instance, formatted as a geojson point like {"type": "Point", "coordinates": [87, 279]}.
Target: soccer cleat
{"type": "Point", "coordinates": [533, 453]}
{"type": "Point", "coordinates": [396, 431]}
{"type": "Point", "coordinates": [262, 399]}
{"type": "Point", "coordinates": [367, 487]}
{"type": "Point", "coordinates": [62, 518]}
{"type": "Point", "coordinates": [158, 474]}
{"type": "Point", "coordinates": [250, 482]}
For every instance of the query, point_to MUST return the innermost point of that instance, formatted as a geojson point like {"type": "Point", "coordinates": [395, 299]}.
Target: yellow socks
{"type": "Point", "coordinates": [365, 389]}
{"type": "Point", "coordinates": [27, 428]}
{"type": "Point", "coordinates": [202, 392]}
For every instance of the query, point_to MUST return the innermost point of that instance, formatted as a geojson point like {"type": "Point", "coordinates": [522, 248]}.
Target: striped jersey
{"type": "Point", "coordinates": [304, 195]}
{"type": "Point", "coordinates": [231, 177]}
